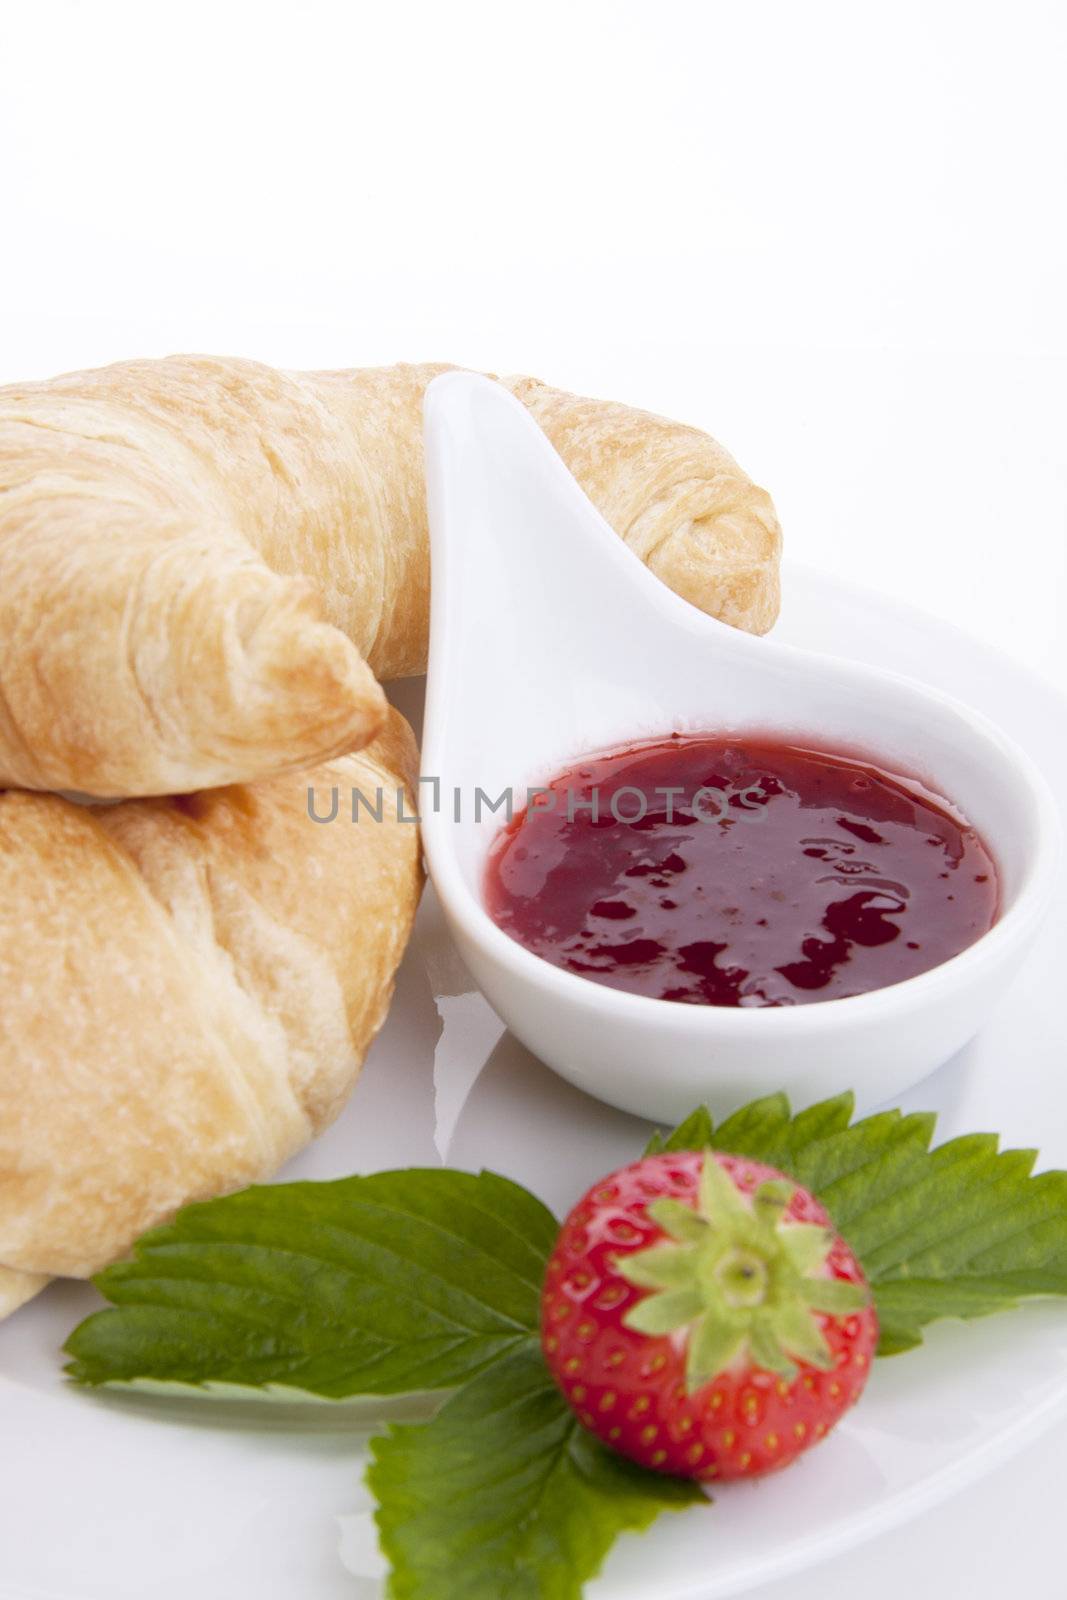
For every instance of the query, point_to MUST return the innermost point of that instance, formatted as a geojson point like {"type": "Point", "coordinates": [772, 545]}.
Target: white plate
{"type": "Point", "coordinates": [122, 1499]}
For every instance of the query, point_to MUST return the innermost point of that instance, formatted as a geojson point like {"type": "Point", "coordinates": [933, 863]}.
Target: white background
{"type": "Point", "coordinates": [832, 234]}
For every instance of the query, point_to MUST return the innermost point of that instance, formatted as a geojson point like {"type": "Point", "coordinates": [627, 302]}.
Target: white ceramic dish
{"type": "Point", "coordinates": [549, 641]}
{"type": "Point", "coordinates": [124, 1500]}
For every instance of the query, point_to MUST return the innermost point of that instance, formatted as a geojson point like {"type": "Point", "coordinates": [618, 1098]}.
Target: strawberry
{"type": "Point", "coordinates": [701, 1315]}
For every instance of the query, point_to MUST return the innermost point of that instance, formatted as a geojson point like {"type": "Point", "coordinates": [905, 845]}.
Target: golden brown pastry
{"type": "Point", "coordinates": [16, 1288]}
{"type": "Point", "coordinates": [144, 647]}
{"type": "Point", "coordinates": [678, 499]}
{"type": "Point", "coordinates": [189, 989]}
{"type": "Point", "coordinates": [203, 561]}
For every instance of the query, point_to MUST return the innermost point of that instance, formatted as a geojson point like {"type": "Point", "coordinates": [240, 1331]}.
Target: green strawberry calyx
{"type": "Point", "coordinates": [740, 1277]}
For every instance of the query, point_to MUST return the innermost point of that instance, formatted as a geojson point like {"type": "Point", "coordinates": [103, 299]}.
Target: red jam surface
{"type": "Point", "coordinates": [770, 875]}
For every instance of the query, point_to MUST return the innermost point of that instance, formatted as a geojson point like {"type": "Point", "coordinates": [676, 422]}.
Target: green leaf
{"type": "Point", "coordinates": [797, 1333]}
{"type": "Point", "coordinates": [962, 1230]}
{"type": "Point", "coordinates": [503, 1496]}
{"type": "Point", "coordinates": [904, 1307]}
{"type": "Point", "coordinates": [807, 1244]}
{"type": "Point", "coordinates": [771, 1199]}
{"type": "Point", "coordinates": [834, 1296]}
{"type": "Point", "coordinates": [720, 1200]}
{"type": "Point", "coordinates": [663, 1266]}
{"type": "Point", "coordinates": [713, 1344]}
{"type": "Point", "coordinates": [662, 1313]}
{"type": "Point", "coordinates": [692, 1134]}
{"type": "Point", "coordinates": [768, 1351]}
{"type": "Point", "coordinates": [397, 1282]}
{"type": "Point", "coordinates": [678, 1220]}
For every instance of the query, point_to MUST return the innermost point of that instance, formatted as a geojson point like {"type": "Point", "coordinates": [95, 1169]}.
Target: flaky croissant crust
{"type": "Point", "coordinates": [189, 989]}
{"type": "Point", "coordinates": [204, 563]}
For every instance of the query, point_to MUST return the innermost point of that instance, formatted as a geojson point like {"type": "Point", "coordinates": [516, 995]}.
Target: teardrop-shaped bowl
{"type": "Point", "coordinates": [550, 640]}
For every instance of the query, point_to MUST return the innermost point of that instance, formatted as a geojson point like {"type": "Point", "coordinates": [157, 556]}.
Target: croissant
{"type": "Point", "coordinates": [189, 988]}
{"type": "Point", "coordinates": [204, 563]}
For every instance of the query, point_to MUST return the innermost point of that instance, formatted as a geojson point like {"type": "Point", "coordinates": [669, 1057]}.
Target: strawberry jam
{"type": "Point", "coordinates": [739, 871]}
